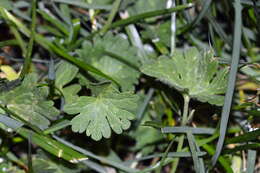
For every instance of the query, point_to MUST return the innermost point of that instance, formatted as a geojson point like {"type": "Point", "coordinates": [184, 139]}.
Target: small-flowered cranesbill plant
{"type": "Point", "coordinates": [96, 84]}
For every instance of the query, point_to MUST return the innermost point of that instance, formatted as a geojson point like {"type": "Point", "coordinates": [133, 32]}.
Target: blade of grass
{"type": "Point", "coordinates": [74, 31]}
{"type": "Point", "coordinates": [253, 146]}
{"type": "Point", "coordinates": [251, 158]}
{"type": "Point", "coordinates": [56, 127]}
{"type": "Point", "coordinates": [247, 137]}
{"type": "Point", "coordinates": [9, 122]}
{"type": "Point", "coordinates": [219, 30]}
{"type": "Point", "coordinates": [111, 16]}
{"type": "Point", "coordinates": [91, 155]}
{"type": "Point", "coordinates": [196, 161]}
{"type": "Point", "coordinates": [185, 113]}
{"type": "Point", "coordinates": [19, 39]}
{"type": "Point", "coordinates": [170, 4]}
{"type": "Point", "coordinates": [135, 38]}
{"type": "Point", "coordinates": [143, 107]}
{"type": "Point", "coordinates": [28, 57]}
{"type": "Point", "coordinates": [52, 146]}
{"type": "Point", "coordinates": [83, 4]}
{"type": "Point", "coordinates": [188, 27]}
{"type": "Point", "coordinates": [165, 154]}
{"type": "Point", "coordinates": [222, 160]}
{"type": "Point", "coordinates": [231, 81]}
{"type": "Point", "coordinates": [53, 48]}
{"type": "Point", "coordinates": [20, 118]}
{"type": "Point", "coordinates": [136, 18]}
{"type": "Point", "coordinates": [12, 42]}
{"type": "Point", "coordinates": [201, 161]}
{"type": "Point", "coordinates": [185, 129]}
{"type": "Point", "coordinates": [169, 155]}
{"type": "Point", "coordinates": [121, 59]}
{"type": "Point", "coordinates": [55, 22]}
{"type": "Point", "coordinates": [29, 156]}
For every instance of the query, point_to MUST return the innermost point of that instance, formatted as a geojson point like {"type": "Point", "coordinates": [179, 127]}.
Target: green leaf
{"type": "Point", "coordinates": [114, 56]}
{"type": "Point", "coordinates": [44, 163]}
{"type": "Point", "coordinates": [97, 115]}
{"type": "Point", "coordinates": [65, 73]}
{"type": "Point", "coordinates": [191, 72]}
{"type": "Point", "coordinates": [6, 4]}
{"type": "Point", "coordinates": [143, 6]}
{"type": "Point", "coordinates": [30, 102]}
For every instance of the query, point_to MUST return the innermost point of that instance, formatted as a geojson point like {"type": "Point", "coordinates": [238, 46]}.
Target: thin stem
{"type": "Point", "coordinates": [28, 58]}
{"type": "Point", "coordinates": [171, 4]}
{"type": "Point", "coordinates": [158, 170]}
{"type": "Point", "coordinates": [112, 15]}
{"type": "Point", "coordinates": [183, 122]}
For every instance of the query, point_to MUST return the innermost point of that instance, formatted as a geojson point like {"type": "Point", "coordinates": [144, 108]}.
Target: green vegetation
{"type": "Point", "coordinates": [129, 86]}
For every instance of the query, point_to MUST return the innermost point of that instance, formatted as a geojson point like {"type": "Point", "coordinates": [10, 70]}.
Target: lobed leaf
{"type": "Point", "coordinates": [30, 102]}
{"type": "Point", "coordinates": [97, 115]}
{"type": "Point", "coordinates": [191, 72]}
{"type": "Point", "coordinates": [114, 56]}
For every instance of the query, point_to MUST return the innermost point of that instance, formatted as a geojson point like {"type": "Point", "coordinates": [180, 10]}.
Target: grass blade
{"type": "Point", "coordinates": [231, 81]}
{"type": "Point", "coordinates": [251, 158]}
{"type": "Point", "coordinates": [56, 127]}
{"type": "Point", "coordinates": [111, 16]}
{"type": "Point", "coordinates": [136, 18]}
{"type": "Point", "coordinates": [9, 122]}
{"type": "Point", "coordinates": [158, 170]}
{"type": "Point", "coordinates": [185, 129]}
{"type": "Point", "coordinates": [55, 22]}
{"type": "Point", "coordinates": [203, 12]}
{"type": "Point", "coordinates": [53, 48]}
{"type": "Point", "coordinates": [28, 57]}
{"type": "Point", "coordinates": [226, 164]}
{"type": "Point", "coordinates": [171, 3]}
{"type": "Point", "coordinates": [195, 157]}
{"type": "Point", "coordinates": [247, 137]}
{"type": "Point", "coordinates": [74, 31]}
{"type": "Point", "coordinates": [135, 38]}
{"type": "Point", "coordinates": [91, 155]}
{"type": "Point", "coordinates": [83, 4]}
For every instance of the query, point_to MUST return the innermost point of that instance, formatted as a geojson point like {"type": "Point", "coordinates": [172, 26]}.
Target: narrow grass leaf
{"type": "Point", "coordinates": [137, 18]}
{"type": "Point", "coordinates": [135, 38]}
{"type": "Point", "coordinates": [10, 122]}
{"type": "Point", "coordinates": [93, 156]}
{"type": "Point", "coordinates": [28, 57]}
{"type": "Point", "coordinates": [247, 137]}
{"type": "Point", "coordinates": [53, 48]}
{"type": "Point", "coordinates": [253, 146]}
{"type": "Point", "coordinates": [251, 158]}
{"type": "Point", "coordinates": [205, 7]}
{"type": "Point", "coordinates": [226, 164]}
{"type": "Point", "coordinates": [58, 126]}
{"type": "Point", "coordinates": [158, 170]}
{"type": "Point", "coordinates": [52, 146]}
{"type": "Point", "coordinates": [194, 152]}
{"type": "Point", "coordinates": [185, 129]}
{"type": "Point", "coordinates": [12, 42]}
{"type": "Point", "coordinates": [231, 81]}
{"type": "Point", "coordinates": [111, 16]}
{"type": "Point", "coordinates": [82, 4]}
{"type": "Point", "coordinates": [74, 31]}
{"type": "Point", "coordinates": [55, 22]}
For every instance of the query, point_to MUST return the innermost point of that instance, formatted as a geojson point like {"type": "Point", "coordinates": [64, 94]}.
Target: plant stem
{"type": "Point", "coordinates": [183, 122]}
{"type": "Point", "coordinates": [28, 58]}
{"type": "Point", "coordinates": [112, 15]}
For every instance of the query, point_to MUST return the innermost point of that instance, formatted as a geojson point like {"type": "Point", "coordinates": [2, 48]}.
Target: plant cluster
{"type": "Point", "coordinates": [129, 86]}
